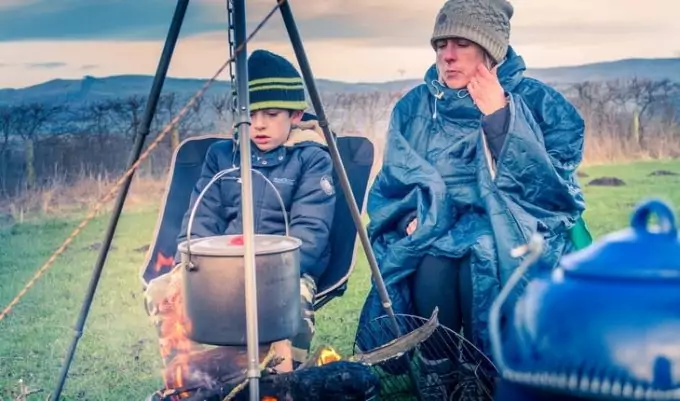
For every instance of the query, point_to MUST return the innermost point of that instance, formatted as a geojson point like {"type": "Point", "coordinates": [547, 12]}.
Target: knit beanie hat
{"type": "Point", "coordinates": [485, 22]}
{"type": "Point", "coordinates": [274, 82]}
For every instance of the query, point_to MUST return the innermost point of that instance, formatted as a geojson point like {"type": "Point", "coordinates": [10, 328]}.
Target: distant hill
{"type": "Point", "coordinates": [91, 89]}
{"type": "Point", "coordinates": [654, 69]}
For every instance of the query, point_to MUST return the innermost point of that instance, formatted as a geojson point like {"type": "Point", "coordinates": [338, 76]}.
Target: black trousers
{"type": "Point", "coordinates": [446, 284]}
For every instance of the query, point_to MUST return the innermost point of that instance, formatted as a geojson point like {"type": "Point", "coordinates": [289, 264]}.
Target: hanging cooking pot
{"type": "Point", "coordinates": [213, 283]}
{"type": "Point", "coordinates": [605, 324]}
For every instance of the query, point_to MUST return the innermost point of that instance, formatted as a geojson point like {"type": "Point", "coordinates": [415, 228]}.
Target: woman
{"type": "Point", "coordinates": [478, 157]}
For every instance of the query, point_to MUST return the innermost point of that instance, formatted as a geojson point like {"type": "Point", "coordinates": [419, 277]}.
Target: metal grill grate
{"type": "Point", "coordinates": [445, 365]}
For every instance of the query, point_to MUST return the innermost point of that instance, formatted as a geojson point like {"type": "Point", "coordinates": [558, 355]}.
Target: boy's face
{"type": "Point", "coordinates": [270, 127]}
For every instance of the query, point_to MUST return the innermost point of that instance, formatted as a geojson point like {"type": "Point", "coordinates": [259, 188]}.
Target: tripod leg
{"type": "Point", "coordinates": [243, 127]}
{"type": "Point", "coordinates": [308, 76]}
{"type": "Point", "coordinates": [150, 110]}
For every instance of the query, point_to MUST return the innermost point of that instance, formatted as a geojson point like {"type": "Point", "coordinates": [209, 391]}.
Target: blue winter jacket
{"type": "Point", "coordinates": [302, 172]}
{"type": "Point", "coordinates": [438, 167]}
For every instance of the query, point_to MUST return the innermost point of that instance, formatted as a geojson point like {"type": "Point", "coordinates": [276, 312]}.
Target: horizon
{"type": "Point", "coordinates": [318, 78]}
{"type": "Point", "coordinates": [70, 40]}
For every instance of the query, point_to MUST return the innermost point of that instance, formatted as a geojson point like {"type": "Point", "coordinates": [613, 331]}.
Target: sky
{"type": "Point", "coordinates": [347, 40]}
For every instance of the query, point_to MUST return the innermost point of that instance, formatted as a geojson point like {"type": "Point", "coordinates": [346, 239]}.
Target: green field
{"type": "Point", "coordinates": [118, 356]}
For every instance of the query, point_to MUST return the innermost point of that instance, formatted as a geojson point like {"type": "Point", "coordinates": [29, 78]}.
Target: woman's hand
{"type": "Point", "coordinates": [411, 226]}
{"type": "Point", "coordinates": [486, 91]}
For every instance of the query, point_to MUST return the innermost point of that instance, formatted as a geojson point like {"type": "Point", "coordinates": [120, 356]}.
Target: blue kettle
{"type": "Point", "coordinates": [603, 325]}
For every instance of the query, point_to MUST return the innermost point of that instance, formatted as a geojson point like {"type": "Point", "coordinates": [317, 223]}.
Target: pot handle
{"type": "Point", "coordinates": [217, 177]}
{"type": "Point", "coordinates": [533, 251]}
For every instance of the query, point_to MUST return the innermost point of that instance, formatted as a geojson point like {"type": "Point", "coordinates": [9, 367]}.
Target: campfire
{"type": "Point", "coordinates": [201, 372]}
{"type": "Point", "coordinates": [194, 371]}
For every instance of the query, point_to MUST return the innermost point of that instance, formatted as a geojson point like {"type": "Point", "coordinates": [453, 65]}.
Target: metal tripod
{"type": "Point", "coordinates": [242, 123]}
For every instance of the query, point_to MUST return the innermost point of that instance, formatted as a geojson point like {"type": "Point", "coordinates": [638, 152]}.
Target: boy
{"type": "Point", "coordinates": [295, 159]}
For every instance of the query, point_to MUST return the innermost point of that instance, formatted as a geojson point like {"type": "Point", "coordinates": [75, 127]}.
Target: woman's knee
{"type": "Point", "coordinates": [434, 286]}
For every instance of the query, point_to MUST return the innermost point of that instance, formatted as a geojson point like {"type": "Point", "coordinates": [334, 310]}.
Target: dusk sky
{"type": "Point", "coordinates": [349, 40]}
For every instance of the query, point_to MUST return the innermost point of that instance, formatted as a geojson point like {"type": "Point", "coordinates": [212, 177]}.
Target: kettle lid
{"type": "Point", "coordinates": [640, 251]}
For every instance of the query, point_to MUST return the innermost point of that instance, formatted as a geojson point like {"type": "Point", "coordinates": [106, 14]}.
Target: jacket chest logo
{"type": "Point", "coordinates": [284, 181]}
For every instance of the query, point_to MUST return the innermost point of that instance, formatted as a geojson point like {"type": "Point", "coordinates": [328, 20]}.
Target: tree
{"type": "Point", "coordinates": [30, 121]}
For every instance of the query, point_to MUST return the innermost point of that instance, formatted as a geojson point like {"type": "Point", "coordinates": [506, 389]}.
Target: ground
{"type": "Point", "coordinates": [118, 353]}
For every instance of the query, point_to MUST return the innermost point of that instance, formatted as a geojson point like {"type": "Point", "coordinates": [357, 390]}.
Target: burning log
{"type": "Point", "coordinates": [335, 381]}
{"type": "Point", "coordinates": [208, 367]}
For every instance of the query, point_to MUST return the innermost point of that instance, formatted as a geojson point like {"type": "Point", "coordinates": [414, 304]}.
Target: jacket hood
{"type": "Point", "coordinates": [306, 132]}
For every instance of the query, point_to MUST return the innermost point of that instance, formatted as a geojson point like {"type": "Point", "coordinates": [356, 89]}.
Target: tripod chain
{"type": "Point", "coordinates": [232, 64]}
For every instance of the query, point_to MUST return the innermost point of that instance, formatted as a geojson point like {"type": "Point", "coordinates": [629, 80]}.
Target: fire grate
{"type": "Point", "coordinates": [444, 365]}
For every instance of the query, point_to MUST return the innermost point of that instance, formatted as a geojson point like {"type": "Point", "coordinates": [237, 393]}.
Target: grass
{"type": "Point", "coordinates": [117, 356]}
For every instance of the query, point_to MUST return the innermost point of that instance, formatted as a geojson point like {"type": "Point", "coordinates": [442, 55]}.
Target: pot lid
{"type": "Point", "coordinates": [232, 245]}
{"type": "Point", "coordinates": [641, 251]}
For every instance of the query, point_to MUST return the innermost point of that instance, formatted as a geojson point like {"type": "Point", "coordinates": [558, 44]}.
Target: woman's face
{"type": "Point", "coordinates": [457, 60]}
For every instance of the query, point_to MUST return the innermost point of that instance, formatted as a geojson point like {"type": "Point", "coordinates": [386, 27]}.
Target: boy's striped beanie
{"type": "Point", "coordinates": [273, 82]}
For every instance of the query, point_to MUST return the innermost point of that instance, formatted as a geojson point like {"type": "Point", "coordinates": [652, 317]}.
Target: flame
{"type": "Point", "coordinates": [175, 346]}
{"type": "Point", "coordinates": [163, 261]}
{"type": "Point", "coordinates": [328, 355]}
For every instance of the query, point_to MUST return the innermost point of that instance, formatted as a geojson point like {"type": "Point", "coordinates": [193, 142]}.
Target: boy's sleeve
{"type": "Point", "coordinates": [209, 219]}
{"type": "Point", "coordinates": [312, 211]}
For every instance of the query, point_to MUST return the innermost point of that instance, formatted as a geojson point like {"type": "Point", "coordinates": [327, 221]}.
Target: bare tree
{"type": "Point", "coordinates": [169, 106]}
{"type": "Point", "coordinates": [221, 104]}
{"type": "Point", "coordinates": [128, 112]}
{"type": "Point", "coordinates": [7, 129]}
{"type": "Point", "coordinates": [30, 120]}
{"type": "Point", "coordinates": [645, 95]}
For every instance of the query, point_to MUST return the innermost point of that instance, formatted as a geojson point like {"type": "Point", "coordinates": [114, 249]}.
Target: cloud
{"type": "Point", "coordinates": [47, 65]}
{"type": "Point", "coordinates": [10, 4]}
{"type": "Point", "coordinates": [568, 34]}
{"type": "Point", "coordinates": [101, 19]}
{"type": "Point", "coordinates": [351, 40]}
{"type": "Point", "coordinates": [149, 20]}
{"type": "Point", "coordinates": [409, 24]}
{"type": "Point", "coordinates": [374, 23]}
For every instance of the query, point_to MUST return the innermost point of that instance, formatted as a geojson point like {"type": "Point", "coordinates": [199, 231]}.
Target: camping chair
{"type": "Point", "coordinates": [357, 155]}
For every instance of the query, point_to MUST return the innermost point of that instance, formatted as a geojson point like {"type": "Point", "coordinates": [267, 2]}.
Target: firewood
{"type": "Point", "coordinates": [336, 381]}
{"type": "Point", "coordinates": [205, 368]}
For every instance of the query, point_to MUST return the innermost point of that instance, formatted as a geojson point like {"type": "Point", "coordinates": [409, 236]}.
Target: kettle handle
{"type": "Point", "coordinates": [216, 178]}
{"type": "Point", "coordinates": [640, 219]}
{"type": "Point", "coordinates": [533, 251]}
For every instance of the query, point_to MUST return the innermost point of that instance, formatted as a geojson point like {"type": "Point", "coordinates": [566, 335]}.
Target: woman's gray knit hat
{"type": "Point", "coordinates": [485, 22]}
